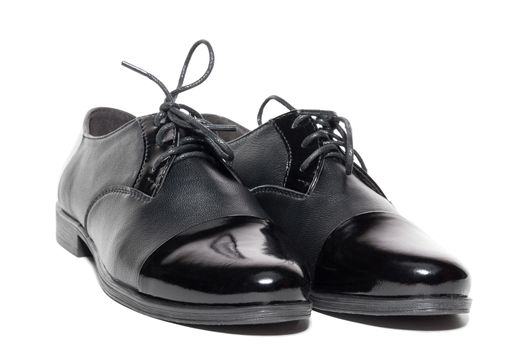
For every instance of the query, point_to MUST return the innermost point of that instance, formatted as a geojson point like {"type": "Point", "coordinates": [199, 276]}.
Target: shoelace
{"type": "Point", "coordinates": [174, 117]}
{"type": "Point", "coordinates": [327, 123]}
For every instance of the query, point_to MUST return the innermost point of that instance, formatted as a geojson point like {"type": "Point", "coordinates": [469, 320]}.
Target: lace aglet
{"type": "Point", "coordinates": [131, 66]}
{"type": "Point", "coordinates": [149, 76]}
{"type": "Point", "coordinates": [136, 69]}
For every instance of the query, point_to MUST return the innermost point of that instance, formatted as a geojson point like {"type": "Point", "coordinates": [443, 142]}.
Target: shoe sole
{"type": "Point", "coordinates": [73, 237]}
{"type": "Point", "coordinates": [393, 306]}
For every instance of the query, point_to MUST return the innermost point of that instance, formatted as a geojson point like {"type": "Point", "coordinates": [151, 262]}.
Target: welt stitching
{"type": "Point", "coordinates": [289, 150]}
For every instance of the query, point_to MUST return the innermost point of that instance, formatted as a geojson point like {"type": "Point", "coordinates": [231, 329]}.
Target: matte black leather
{"type": "Point", "coordinates": [268, 144]}
{"type": "Point", "coordinates": [278, 144]}
{"type": "Point", "coordinates": [308, 220]}
{"type": "Point", "coordinates": [173, 240]}
{"type": "Point", "coordinates": [100, 162]}
{"type": "Point", "coordinates": [193, 193]}
{"type": "Point", "coordinates": [343, 227]}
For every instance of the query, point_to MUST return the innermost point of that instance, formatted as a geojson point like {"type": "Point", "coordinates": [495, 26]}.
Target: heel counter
{"type": "Point", "coordinates": [66, 179]}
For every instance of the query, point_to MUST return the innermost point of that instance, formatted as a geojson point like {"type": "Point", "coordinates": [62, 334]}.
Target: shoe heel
{"type": "Point", "coordinates": [68, 236]}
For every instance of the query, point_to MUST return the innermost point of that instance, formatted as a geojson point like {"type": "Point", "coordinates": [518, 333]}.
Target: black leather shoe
{"type": "Point", "coordinates": [172, 231]}
{"type": "Point", "coordinates": [363, 256]}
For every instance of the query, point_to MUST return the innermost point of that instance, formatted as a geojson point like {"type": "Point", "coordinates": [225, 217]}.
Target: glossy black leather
{"type": "Point", "coordinates": [230, 261]}
{"type": "Point", "coordinates": [194, 199]}
{"type": "Point", "coordinates": [382, 254]}
{"type": "Point", "coordinates": [297, 180]}
{"type": "Point", "coordinates": [344, 229]}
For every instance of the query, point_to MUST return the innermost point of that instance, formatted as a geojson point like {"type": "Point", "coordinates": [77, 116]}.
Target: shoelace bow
{"type": "Point", "coordinates": [172, 117]}
{"type": "Point", "coordinates": [333, 132]}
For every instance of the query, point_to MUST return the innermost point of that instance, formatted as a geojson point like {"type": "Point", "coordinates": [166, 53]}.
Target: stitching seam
{"type": "Point", "coordinates": [117, 190]}
{"type": "Point", "coordinates": [288, 149]}
{"type": "Point", "coordinates": [279, 191]}
{"type": "Point", "coordinates": [249, 135]}
{"type": "Point", "coordinates": [146, 153]}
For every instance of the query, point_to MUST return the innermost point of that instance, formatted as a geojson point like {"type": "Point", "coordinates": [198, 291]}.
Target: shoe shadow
{"type": "Point", "coordinates": [415, 323]}
{"type": "Point", "coordinates": [273, 329]}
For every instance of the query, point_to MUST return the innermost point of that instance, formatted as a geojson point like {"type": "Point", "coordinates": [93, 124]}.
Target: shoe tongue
{"type": "Point", "coordinates": [298, 180]}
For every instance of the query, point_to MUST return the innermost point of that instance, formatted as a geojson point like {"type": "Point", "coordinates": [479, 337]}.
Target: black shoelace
{"type": "Point", "coordinates": [172, 118]}
{"type": "Point", "coordinates": [334, 133]}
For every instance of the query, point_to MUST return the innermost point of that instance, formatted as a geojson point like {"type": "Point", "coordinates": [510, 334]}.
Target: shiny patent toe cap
{"type": "Point", "coordinates": [382, 254]}
{"type": "Point", "coordinates": [232, 261]}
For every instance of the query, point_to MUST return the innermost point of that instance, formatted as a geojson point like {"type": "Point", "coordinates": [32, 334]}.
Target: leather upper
{"type": "Point", "coordinates": [345, 230]}
{"type": "Point", "coordinates": [264, 143]}
{"type": "Point", "coordinates": [100, 162]}
{"type": "Point", "coordinates": [244, 252]}
{"type": "Point", "coordinates": [199, 215]}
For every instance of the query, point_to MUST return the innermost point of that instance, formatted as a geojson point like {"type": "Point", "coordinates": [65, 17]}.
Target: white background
{"type": "Point", "coordinates": [434, 91]}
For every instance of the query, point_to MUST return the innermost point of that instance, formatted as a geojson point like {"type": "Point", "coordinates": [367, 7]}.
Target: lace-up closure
{"type": "Point", "coordinates": [333, 133]}
{"type": "Point", "coordinates": [181, 128]}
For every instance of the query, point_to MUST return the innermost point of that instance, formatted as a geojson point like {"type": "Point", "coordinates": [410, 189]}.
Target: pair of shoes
{"type": "Point", "coordinates": [194, 219]}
